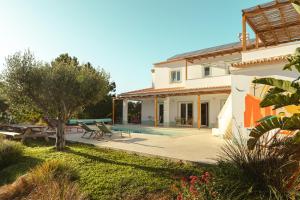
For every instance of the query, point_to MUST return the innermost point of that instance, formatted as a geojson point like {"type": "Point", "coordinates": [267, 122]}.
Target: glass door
{"type": "Point", "coordinates": [161, 113]}
{"type": "Point", "coordinates": [186, 113]}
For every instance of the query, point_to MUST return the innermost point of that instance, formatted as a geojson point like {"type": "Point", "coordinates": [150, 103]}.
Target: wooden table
{"type": "Point", "coordinates": [28, 131]}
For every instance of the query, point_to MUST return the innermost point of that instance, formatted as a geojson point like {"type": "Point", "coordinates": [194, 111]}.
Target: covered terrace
{"type": "Point", "coordinates": [167, 103]}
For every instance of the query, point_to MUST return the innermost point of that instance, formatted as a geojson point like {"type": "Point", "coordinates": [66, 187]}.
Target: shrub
{"type": "Point", "coordinates": [52, 180]}
{"type": "Point", "coordinates": [52, 170]}
{"type": "Point", "coordinates": [266, 172]}
{"type": "Point", "coordinates": [10, 152]}
{"type": "Point", "coordinates": [196, 188]}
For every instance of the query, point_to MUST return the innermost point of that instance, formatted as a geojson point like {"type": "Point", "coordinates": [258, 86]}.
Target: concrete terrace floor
{"type": "Point", "coordinates": [187, 144]}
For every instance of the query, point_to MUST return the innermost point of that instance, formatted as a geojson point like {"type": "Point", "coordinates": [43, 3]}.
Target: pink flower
{"type": "Point", "coordinates": [179, 197]}
{"type": "Point", "coordinates": [193, 177]}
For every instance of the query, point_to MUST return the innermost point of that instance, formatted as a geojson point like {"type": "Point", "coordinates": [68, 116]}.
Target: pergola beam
{"type": "Point", "coordinates": [244, 33]}
{"type": "Point", "coordinates": [186, 69]}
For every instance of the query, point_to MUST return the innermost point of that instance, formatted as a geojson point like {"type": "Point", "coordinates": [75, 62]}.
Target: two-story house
{"type": "Point", "coordinates": [213, 87]}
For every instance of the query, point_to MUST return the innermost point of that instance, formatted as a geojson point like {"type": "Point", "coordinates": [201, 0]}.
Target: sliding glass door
{"type": "Point", "coordinates": [205, 114]}
{"type": "Point", "coordinates": [186, 113]}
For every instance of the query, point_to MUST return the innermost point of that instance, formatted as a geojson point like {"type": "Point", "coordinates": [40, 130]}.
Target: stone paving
{"type": "Point", "coordinates": [196, 145]}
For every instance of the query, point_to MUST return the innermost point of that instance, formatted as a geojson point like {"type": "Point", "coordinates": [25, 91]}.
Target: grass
{"type": "Point", "coordinates": [106, 174]}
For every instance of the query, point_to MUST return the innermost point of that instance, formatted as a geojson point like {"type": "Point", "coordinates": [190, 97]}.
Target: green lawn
{"type": "Point", "coordinates": [107, 174]}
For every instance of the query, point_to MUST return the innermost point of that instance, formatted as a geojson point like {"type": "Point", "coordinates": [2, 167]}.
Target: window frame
{"type": "Point", "coordinates": [204, 75]}
{"type": "Point", "coordinates": [176, 76]}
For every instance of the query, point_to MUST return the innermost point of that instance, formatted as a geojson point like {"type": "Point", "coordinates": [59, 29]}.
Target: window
{"type": "Point", "coordinates": [207, 71]}
{"type": "Point", "coordinates": [175, 76]}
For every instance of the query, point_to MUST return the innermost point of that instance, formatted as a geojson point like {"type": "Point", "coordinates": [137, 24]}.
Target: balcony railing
{"type": "Point", "coordinates": [214, 81]}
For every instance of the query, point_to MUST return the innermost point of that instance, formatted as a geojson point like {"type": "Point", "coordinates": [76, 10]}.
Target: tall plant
{"type": "Point", "coordinates": [296, 4]}
{"type": "Point", "coordinates": [282, 93]}
{"type": "Point", "coordinates": [58, 90]}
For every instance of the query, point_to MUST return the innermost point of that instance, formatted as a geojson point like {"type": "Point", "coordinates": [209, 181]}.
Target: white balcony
{"type": "Point", "coordinates": [214, 81]}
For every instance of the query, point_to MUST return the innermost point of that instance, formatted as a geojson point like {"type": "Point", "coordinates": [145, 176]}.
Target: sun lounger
{"type": "Point", "coordinates": [87, 130]}
{"type": "Point", "coordinates": [105, 130]}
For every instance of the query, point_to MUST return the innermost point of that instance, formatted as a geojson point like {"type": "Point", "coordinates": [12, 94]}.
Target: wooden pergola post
{"type": "Point", "coordinates": [186, 70]}
{"type": "Point", "coordinates": [199, 111]}
{"type": "Point", "coordinates": [113, 111]}
{"type": "Point", "coordinates": [256, 41]}
{"type": "Point", "coordinates": [155, 111]}
{"type": "Point", "coordinates": [244, 33]}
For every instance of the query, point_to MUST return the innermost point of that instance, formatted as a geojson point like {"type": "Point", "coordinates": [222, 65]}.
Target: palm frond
{"type": "Point", "coordinates": [280, 100]}
{"type": "Point", "coordinates": [285, 85]}
{"type": "Point", "coordinates": [273, 122]}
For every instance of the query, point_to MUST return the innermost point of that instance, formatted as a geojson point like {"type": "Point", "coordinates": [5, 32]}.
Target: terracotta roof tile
{"type": "Point", "coordinates": [260, 61]}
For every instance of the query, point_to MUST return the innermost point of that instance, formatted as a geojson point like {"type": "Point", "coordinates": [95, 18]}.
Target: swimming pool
{"type": "Point", "coordinates": [155, 130]}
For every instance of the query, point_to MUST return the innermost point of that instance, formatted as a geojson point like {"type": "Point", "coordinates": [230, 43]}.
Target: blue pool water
{"type": "Point", "coordinates": [151, 130]}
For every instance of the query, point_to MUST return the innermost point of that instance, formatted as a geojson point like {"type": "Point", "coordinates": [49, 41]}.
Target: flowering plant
{"type": "Point", "coordinates": [196, 188]}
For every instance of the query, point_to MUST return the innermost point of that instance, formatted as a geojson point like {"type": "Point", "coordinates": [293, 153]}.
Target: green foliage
{"type": "Point", "coordinates": [134, 111]}
{"type": "Point", "coordinates": [258, 173]}
{"type": "Point", "coordinates": [10, 152]}
{"type": "Point", "coordinates": [272, 123]}
{"type": "Point", "coordinates": [102, 109]}
{"type": "Point", "coordinates": [296, 4]}
{"type": "Point", "coordinates": [57, 90]}
{"type": "Point", "coordinates": [282, 93]}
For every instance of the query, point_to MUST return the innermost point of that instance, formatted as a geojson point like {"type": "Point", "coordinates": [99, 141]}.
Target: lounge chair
{"type": "Point", "coordinates": [107, 131]}
{"type": "Point", "coordinates": [88, 130]}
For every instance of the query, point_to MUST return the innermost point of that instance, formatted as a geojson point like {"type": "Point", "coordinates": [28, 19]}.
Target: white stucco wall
{"type": "Point", "coordinates": [267, 52]}
{"type": "Point", "coordinates": [195, 72]}
{"type": "Point", "coordinates": [241, 81]}
{"type": "Point", "coordinates": [162, 75]}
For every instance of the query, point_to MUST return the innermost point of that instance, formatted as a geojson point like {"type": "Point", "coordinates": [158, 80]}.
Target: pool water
{"type": "Point", "coordinates": [153, 130]}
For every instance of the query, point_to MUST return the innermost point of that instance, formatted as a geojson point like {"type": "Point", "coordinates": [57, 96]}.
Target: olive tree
{"type": "Point", "coordinates": [58, 89]}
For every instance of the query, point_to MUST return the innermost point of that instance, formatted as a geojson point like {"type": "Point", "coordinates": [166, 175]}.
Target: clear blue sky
{"type": "Point", "coordinates": [125, 37]}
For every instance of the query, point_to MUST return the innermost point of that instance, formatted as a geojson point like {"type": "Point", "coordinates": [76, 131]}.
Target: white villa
{"type": "Point", "coordinates": [212, 88]}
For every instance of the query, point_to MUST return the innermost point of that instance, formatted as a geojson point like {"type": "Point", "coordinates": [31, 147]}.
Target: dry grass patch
{"type": "Point", "coordinates": [52, 180]}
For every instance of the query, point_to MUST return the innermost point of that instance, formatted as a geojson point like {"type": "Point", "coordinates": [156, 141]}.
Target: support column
{"type": "Point", "coordinates": [167, 111]}
{"type": "Point", "coordinates": [244, 33]}
{"type": "Point", "coordinates": [113, 111]}
{"type": "Point", "coordinates": [155, 111]}
{"type": "Point", "coordinates": [125, 111]}
{"type": "Point", "coordinates": [256, 41]}
{"type": "Point", "coordinates": [199, 111]}
{"type": "Point", "coordinates": [186, 70]}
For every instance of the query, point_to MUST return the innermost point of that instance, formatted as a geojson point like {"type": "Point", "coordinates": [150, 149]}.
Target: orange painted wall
{"type": "Point", "coordinates": [253, 112]}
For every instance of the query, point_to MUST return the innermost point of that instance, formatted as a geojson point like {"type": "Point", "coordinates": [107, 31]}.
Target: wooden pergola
{"type": "Point", "coordinates": [167, 92]}
{"type": "Point", "coordinates": [273, 23]}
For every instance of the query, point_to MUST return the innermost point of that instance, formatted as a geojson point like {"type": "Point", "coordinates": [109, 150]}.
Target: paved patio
{"type": "Point", "coordinates": [196, 145]}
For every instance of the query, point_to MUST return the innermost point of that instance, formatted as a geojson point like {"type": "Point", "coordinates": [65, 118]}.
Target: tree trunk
{"type": "Point", "coordinates": [60, 135]}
